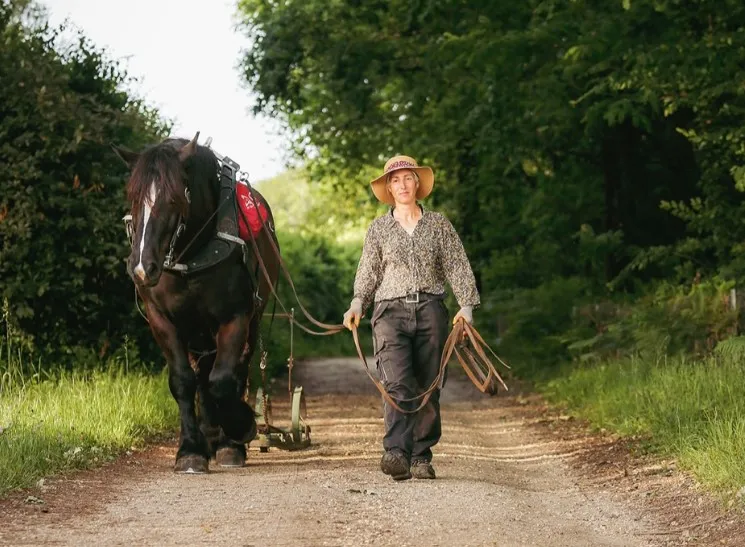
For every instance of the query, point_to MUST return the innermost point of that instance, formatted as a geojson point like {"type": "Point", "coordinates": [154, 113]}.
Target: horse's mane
{"type": "Point", "coordinates": [160, 164]}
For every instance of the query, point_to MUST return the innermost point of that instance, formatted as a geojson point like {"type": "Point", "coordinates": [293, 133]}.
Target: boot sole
{"type": "Point", "coordinates": [424, 477]}
{"type": "Point", "coordinates": [399, 477]}
{"type": "Point", "coordinates": [397, 473]}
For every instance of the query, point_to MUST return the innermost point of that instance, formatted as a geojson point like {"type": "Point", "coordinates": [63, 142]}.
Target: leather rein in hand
{"type": "Point", "coordinates": [474, 361]}
{"type": "Point", "coordinates": [464, 341]}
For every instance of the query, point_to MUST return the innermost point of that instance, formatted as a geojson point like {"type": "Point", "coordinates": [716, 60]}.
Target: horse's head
{"type": "Point", "coordinates": [159, 197]}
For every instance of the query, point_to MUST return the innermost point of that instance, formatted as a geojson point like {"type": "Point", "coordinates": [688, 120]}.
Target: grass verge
{"type": "Point", "coordinates": [52, 420]}
{"type": "Point", "coordinates": [76, 420]}
{"type": "Point", "coordinates": [693, 410]}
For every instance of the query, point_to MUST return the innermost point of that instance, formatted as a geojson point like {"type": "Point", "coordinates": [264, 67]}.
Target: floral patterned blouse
{"type": "Point", "coordinates": [395, 263]}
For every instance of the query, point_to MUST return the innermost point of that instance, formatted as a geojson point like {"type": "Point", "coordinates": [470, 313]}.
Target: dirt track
{"type": "Point", "coordinates": [509, 474]}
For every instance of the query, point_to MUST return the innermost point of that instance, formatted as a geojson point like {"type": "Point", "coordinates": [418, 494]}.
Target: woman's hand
{"type": "Point", "coordinates": [465, 313]}
{"type": "Point", "coordinates": [354, 313]}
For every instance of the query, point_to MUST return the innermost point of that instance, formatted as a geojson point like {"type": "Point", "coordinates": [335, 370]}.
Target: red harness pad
{"type": "Point", "coordinates": [255, 218]}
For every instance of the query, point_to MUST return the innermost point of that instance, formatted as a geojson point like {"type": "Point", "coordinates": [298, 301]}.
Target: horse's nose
{"type": "Point", "coordinates": [147, 271]}
{"type": "Point", "coordinates": [139, 271]}
{"type": "Point", "coordinates": [151, 269]}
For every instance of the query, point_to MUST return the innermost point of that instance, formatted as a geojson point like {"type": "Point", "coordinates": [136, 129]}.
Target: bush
{"type": "Point", "coordinates": [671, 320]}
{"type": "Point", "coordinates": [563, 320]}
{"type": "Point", "coordinates": [62, 245]}
{"type": "Point", "coordinates": [532, 324]}
{"type": "Point", "coordinates": [323, 272]}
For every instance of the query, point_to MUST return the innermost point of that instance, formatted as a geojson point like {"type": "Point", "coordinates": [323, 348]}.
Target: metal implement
{"type": "Point", "coordinates": [298, 436]}
{"type": "Point", "coordinates": [269, 435]}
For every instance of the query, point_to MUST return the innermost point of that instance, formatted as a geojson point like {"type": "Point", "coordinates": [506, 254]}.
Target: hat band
{"type": "Point", "coordinates": [399, 165]}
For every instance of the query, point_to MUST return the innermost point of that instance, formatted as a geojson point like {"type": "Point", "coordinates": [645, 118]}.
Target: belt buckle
{"type": "Point", "coordinates": [412, 298]}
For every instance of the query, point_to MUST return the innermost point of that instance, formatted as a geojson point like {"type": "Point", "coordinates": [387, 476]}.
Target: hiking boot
{"type": "Point", "coordinates": [422, 469]}
{"type": "Point", "coordinates": [395, 465]}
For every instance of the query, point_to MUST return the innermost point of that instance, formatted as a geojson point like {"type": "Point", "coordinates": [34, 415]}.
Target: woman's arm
{"type": "Point", "coordinates": [369, 270]}
{"type": "Point", "coordinates": [458, 269]}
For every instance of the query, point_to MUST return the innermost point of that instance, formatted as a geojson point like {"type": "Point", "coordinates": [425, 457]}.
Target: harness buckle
{"type": "Point", "coordinates": [412, 298]}
{"type": "Point", "coordinates": [129, 228]}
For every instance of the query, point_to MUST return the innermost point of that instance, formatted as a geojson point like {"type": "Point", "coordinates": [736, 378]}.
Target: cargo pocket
{"type": "Point", "coordinates": [379, 341]}
{"type": "Point", "coordinates": [377, 312]}
{"type": "Point", "coordinates": [379, 353]}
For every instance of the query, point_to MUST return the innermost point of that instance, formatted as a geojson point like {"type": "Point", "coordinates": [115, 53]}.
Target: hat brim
{"type": "Point", "coordinates": [426, 183]}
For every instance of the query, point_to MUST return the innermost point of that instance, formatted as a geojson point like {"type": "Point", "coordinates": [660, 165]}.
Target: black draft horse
{"type": "Point", "coordinates": [206, 323]}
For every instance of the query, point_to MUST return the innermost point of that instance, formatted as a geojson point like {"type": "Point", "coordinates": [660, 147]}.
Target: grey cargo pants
{"type": "Point", "coordinates": [408, 340]}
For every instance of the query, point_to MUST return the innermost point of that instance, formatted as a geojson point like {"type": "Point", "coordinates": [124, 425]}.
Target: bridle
{"type": "Point", "coordinates": [168, 263]}
{"type": "Point", "coordinates": [174, 264]}
{"type": "Point", "coordinates": [180, 228]}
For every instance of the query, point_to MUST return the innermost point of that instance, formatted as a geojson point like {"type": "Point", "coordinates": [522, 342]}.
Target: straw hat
{"type": "Point", "coordinates": [426, 178]}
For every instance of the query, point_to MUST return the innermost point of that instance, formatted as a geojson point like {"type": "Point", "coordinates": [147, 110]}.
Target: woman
{"type": "Point", "coordinates": [408, 255]}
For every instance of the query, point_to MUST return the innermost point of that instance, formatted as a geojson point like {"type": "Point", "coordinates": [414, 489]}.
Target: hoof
{"type": "Point", "coordinates": [229, 456]}
{"type": "Point", "coordinates": [191, 464]}
{"type": "Point", "coordinates": [236, 429]}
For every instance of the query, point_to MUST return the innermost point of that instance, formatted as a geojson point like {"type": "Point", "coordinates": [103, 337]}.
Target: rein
{"type": "Point", "coordinates": [478, 367]}
{"type": "Point", "coordinates": [475, 362]}
{"type": "Point", "coordinates": [181, 226]}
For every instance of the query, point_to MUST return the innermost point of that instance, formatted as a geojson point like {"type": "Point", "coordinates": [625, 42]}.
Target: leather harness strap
{"type": "Point", "coordinates": [329, 328]}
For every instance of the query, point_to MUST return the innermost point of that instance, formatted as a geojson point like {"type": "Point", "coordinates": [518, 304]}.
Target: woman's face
{"type": "Point", "coordinates": [402, 185]}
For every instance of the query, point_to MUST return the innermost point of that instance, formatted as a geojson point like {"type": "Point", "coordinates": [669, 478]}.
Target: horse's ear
{"type": "Point", "coordinates": [126, 155]}
{"type": "Point", "coordinates": [189, 149]}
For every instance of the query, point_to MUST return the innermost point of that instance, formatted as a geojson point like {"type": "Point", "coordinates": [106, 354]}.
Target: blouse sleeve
{"type": "Point", "coordinates": [369, 269]}
{"type": "Point", "coordinates": [457, 268]}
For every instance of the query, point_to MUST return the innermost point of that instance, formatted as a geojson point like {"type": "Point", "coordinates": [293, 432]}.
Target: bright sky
{"type": "Point", "coordinates": [185, 55]}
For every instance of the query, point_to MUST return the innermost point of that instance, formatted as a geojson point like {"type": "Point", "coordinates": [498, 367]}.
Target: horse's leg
{"type": "Point", "coordinates": [226, 452]}
{"type": "Point", "coordinates": [193, 454]}
{"type": "Point", "coordinates": [227, 380]}
{"type": "Point", "coordinates": [208, 422]}
{"type": "Point", "coordinates": [231, 453]}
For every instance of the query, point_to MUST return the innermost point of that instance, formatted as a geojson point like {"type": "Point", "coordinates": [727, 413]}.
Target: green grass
{"type": "Point", "coordinates": [693, 410]}
{"type": "Point", "coordinates": [52, 420]}
{"type": "Point", "coordinates": [75, 420]}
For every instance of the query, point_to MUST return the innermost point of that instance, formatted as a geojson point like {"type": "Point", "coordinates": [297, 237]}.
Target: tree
{"type": "Point", "coordinates": [62, 245]}
{"type": "Point", "coordinates": [598, 143]}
